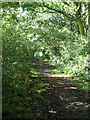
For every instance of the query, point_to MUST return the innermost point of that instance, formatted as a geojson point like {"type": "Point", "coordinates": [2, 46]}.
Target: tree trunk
{"type": "Point", "coordinates": [81, 28]}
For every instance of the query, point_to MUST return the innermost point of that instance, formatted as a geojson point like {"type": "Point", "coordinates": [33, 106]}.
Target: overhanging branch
{"type": "Point", "coordinates": [59, 11]}
{"type": "Point", "coordinates": [67, 5]}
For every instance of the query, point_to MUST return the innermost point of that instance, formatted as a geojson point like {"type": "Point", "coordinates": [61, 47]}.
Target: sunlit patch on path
{"type": "Point", "coordinates": [57, 75]}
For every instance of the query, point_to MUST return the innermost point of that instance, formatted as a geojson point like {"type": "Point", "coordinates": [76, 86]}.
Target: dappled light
{"type": "Point", "coordinates": [71, 88]}
{"type": "Point", "coordinates": [45, 60]}
{"type": "Point", "coordinates": [63, 96]}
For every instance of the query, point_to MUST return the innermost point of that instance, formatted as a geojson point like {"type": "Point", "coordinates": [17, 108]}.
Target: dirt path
{"type": "Point", "coordinates": [65, 99]}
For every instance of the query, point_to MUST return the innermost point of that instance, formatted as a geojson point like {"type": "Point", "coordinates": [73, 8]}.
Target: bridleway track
{"type": "Point", "coordinates": [65, 99]}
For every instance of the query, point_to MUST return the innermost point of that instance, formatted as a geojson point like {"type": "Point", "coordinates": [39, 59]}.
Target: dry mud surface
{"type": "Point", "coordinates": [65, 99]}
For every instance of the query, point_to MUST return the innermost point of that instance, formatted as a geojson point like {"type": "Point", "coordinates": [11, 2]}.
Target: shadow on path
{"type": "Point", "coordinates": [65, 99]}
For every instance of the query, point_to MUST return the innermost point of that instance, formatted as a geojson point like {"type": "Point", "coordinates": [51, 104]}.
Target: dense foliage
{"type": "Point", "coordinates": [27, 28]}
{"type": "Point", "coordinates": [19, 87]}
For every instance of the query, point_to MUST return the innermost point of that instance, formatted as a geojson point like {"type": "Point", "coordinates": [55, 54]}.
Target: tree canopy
{"type": "Point", "coordinates": [77, 12]}
{"type": "Point", "coordinates": [60, 30]}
